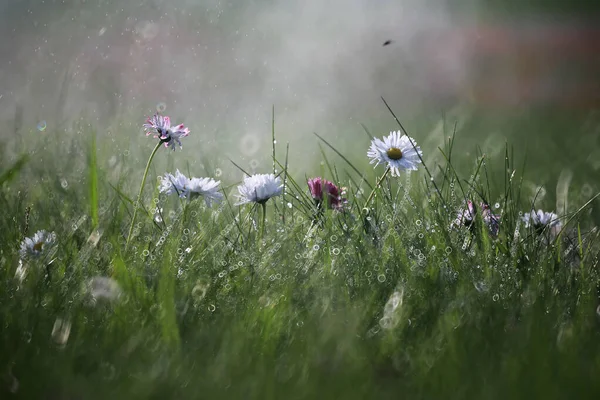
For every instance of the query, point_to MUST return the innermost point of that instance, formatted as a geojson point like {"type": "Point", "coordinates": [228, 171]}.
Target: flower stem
{"type": "Point", "coordinates": [139, 198]}
{"type": "Point", "coordinates": [262, 224]}
{"type": "Point", "coordinates": [376, 187]}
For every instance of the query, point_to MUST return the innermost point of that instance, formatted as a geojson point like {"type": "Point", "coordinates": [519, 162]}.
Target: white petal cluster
{"type": "Point", "coordinates": [398, 151]}
{"type": "Point", "coordinates": [259, 188]}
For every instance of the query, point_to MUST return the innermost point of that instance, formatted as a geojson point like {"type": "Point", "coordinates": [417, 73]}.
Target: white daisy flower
{"type": "Point", "coordinates": [259, 188]}
{"type": "Point", "coordinates": [397, 151]}
{"type": "Point", "coordinates": [190, 188]}
{"type": "Point", "coordinates": [540, 219]}
{"type": "Point", "coordinates": [168, 134]}
{"type": "Point", "coordinates": [207, 188]}
{"type": "Point", "coordinates": [38, 244]}
{"type": "Point", "coordinates": [178, 183]}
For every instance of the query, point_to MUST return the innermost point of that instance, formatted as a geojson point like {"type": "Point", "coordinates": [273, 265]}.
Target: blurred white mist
{"type": "Point", "coordinates": [219, 66]}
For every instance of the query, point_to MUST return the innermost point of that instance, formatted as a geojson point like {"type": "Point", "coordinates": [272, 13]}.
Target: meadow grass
{"type": "Point", "coordinates": [387, 299]}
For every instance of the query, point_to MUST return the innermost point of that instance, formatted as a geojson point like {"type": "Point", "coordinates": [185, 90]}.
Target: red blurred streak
{"type": "Point", "coordinates": [496, 39]}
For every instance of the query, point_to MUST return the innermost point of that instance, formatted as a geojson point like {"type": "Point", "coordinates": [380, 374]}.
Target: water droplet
{"type": "Point", "coordinates": [218, 172]}
{"type": "Point", "coordinates": [335, 251]}
{"type": "Point", "coordinates": [418, 222]}
{"type": "Point", "coordinates": [316, 247]}
{"type": "Point", "coordinates": [161, 107]}
{"type": "Point", "coordinates": [368, 274]}
{"type": "Point", "coordinates": [41, 126]}
{"type": "Point", "coordinates": [212, 308]}
{"type": "Point", "coordinates": [381, 278]}
{"type": "Point", "coordinates": [497, 206]}
{"type": "Point", "coordinates": [448, 250]}
{"type": "Point", "coordinates": [249, 144]}
{"type": "Point", "coordinates": [496, 297]}
{"type": "Point", "coordinates": [480, 287]}
{"type": "Point", "coordinates": [64, 184]}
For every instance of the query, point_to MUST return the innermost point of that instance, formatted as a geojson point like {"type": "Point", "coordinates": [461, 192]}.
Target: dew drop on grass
{"type": "Point", "coordinates": [218, 172]}
{"type": "Point", "coordinates": [448, 250]}
{"type": "Point", "coordinates": [335, 251]}
{"type": "Point", "coordinates": [381, 278]}
{"type": "Point", "coordinates": [289, 205]}
{"type": "Point", "coordinates": [161, 107]}
{"type": "Point", "coordinates": [186, 231]}
{"type": "Point", "coordinates": [41, 126]}
{"type": "Point", "coordinates": [418, 222]}
{"type": "Point", "coordinates": [587, 190]}
{"type": "Point", "coordinates": [316, 247]}
{"type": "Point", "coordinates": [368, 274]}
{"type": "Point", "coordinates": [212, 308]}
{"type": "Point", "coordinates": [495, 297]}
{"type": "Point", "coordinates": [64, 184]}
{"type": "Point", "coordinates": [480, 287]}
{"type": "Point", "coordinates": [145, 253]}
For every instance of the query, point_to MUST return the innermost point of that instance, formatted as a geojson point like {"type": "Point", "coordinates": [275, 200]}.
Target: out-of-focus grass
{"type": "Point", "coordinates": [383, 303]}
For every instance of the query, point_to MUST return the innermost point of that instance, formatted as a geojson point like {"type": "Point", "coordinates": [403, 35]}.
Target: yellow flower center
{"type": "Point", "coordinates": [394, 153]}
{"type": "Point", "coordinates": [38, 246]}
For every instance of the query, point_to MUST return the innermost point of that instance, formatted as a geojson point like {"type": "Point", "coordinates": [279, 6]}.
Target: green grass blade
{"type": "Point", "coordinates": [93, 167]}
{"type": "Point", "coordinates": [9, 174]}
